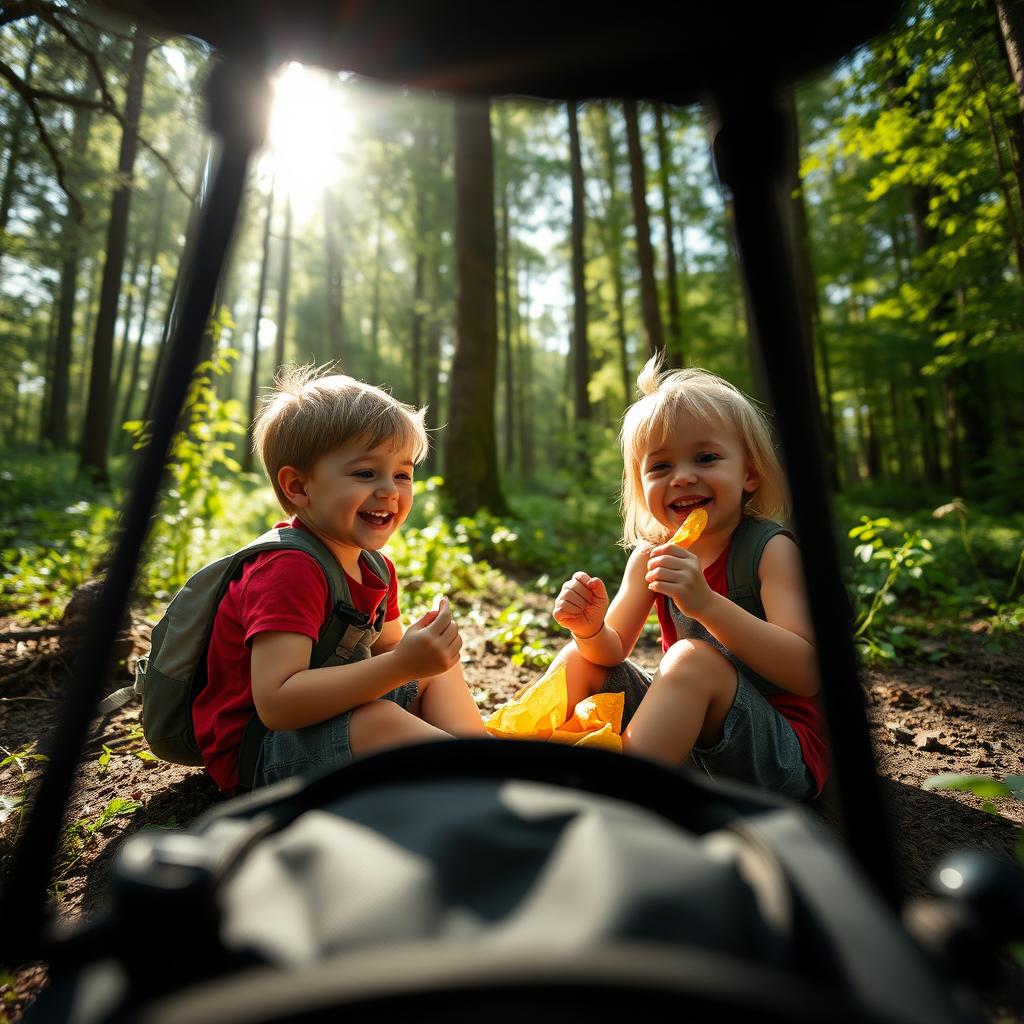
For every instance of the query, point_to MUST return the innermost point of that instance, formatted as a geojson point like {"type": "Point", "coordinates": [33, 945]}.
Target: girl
{"type": "Point", "coordinates": [735, 687]}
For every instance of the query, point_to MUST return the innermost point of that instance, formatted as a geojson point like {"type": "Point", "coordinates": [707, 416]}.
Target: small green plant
{"type": "Point", "coordinates": [513, 638]}
{"type": "Point", "coordinates": [12, 808]}
{"type": "Point", "coordinates": [885, 562]}
{"type": "Point", "coordinates": [78, 837]}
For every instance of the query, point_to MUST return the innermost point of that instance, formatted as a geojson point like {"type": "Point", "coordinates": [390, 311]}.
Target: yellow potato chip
{"type": "Point", "coordinates": [692, 528]}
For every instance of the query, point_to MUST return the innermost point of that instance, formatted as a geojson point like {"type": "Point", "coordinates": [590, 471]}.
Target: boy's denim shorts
{"type": "Point", "coordinates": [758, 744]}
{"type": "Point", "coordinates": [317, 748]}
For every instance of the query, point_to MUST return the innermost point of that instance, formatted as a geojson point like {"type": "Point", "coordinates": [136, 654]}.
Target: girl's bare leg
{"type": "Point", "coordinates": [582, 677]}
{"type": "Point", "coordinates": [687, 703]}
{"type": "Point", "coordinates": [445, 701]}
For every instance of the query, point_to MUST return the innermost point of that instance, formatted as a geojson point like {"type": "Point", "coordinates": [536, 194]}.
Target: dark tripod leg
{"type": "Point", "coordinates": [236, 109]}
{"type": "Point", "coordinates": [750, 153]}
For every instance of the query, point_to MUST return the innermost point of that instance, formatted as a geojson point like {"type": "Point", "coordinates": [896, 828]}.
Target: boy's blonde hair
{"type": "Point", "coordinates": [309, 414]}
{"type": "Point", "coordinates": [707, 397]}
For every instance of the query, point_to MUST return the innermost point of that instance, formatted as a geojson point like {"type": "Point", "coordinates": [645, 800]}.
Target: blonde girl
{"type": "Point", "coordinates": [735, 687]}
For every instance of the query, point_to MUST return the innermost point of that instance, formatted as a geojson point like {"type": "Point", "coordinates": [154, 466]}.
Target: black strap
{"type": "Point", "coordinates": [249, 752]}
{"type": "Point", "coordinates": [745, 550]}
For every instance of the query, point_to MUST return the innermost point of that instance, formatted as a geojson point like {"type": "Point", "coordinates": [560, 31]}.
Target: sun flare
{"type": "Point", "coordinates": [309, 126]}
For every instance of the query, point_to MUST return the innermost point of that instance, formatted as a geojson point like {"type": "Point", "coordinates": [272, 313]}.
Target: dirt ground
{"type": "Point", "coordinates": [965, 714]}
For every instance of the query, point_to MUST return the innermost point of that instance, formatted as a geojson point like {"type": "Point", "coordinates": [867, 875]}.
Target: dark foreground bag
{"type": "Point", "coordinates": [171, 675]}
{"type": "Point", "coordinates": [486, 880]}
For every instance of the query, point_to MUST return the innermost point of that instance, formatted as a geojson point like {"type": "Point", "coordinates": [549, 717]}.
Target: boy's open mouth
{"type": "Point", "coordinates": [377, 519]}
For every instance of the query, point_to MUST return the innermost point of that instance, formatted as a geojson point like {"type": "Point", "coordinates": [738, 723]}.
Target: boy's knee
{"type": "Point", "coordinates": [377, 722]}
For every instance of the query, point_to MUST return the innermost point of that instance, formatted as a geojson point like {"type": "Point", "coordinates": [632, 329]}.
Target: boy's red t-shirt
{"type": "Point", "coordinates": [802, 713]}
{"type": "Point", "coordinates": [277, 591]}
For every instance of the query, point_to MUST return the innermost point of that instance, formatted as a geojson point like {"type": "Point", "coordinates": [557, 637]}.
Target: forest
{"type": "Point", "coordinates": [607, 238]}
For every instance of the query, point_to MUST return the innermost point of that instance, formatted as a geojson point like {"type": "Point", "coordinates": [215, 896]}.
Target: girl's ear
{"type": "Point", "coordinates": [293, 486]}
{"type": "Point", "coordinates": [752, 482]}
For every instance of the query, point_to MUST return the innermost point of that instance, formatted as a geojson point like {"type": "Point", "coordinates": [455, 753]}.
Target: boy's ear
{"type": "Point", "coordinates": [293, 486]}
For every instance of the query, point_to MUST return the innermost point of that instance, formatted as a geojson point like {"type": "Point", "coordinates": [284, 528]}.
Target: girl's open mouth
{"type": "Point", "coordinates": [686, 505]}
{"type": "Point", "coordinates": [378, 520]}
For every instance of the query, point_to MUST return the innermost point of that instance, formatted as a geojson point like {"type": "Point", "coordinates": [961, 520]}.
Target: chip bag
{"type": "Point", "coordinates": [540, 711]}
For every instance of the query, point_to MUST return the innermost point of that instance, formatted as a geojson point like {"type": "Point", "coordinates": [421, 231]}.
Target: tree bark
{"type": "Point", "coordinates": [261, 291]}
{"type": "Point", "coordinates": [644, 252]}
{"type": "Point", "coordinates": [506, 297]}
{"type": "Point", "coordinates": [335, 325]}
{"type": "Point", "coordinates": [613, 246]}
{"type": "Point", "coordinates": [471, 465]}
{"type": "Point", "coordinates": [96, 432]}
{"type": "Point", "coordinates": [15, 137]}
{"type": "Point", "coordinates": [56, 430]}
{"type": "Point", "coordinates": [378, 260]}
{"type": "Point", "coordinates": [580, 348]}
{"type": "Point", "coordinates": [147, 295]}
{"type": "Point", "coordinates": [677, 355]}
{"type": "Point", "coordinates": [807, 292]}
{"type": "Point", "coordinates": [131, 293]}
{"type": "Point", "coordinates": [1010, 15]}
{"type": "Point", "coordinates": [284, 287]}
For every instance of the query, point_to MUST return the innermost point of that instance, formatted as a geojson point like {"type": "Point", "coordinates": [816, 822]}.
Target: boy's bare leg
{"type": "Point", "coordinates": [445, 702]}
{"type": "Point", "coordinates": [688, 701]}
{"type": "Point", "coordinates": [382, 724]}
{"type": "Point", "coordinates": [582, 677]}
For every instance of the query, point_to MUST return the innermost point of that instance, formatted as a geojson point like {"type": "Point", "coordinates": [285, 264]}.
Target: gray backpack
{"type": "Point", "coordinates": [172, 674]}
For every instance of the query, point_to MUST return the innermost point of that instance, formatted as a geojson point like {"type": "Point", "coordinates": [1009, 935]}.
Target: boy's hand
{"type": "Point", "coordinates": [676, 572]}
{"type": "Point", "coordinates": [581, 605]}
{"type": "Point", "coordinates": [430, 645]}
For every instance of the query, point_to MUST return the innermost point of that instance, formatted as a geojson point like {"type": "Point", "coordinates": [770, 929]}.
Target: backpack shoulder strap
{"type": "Point", "coordinates": [745, 550]}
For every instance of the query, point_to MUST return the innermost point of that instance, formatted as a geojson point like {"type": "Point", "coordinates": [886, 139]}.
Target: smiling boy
{"type": "Point", "coordinates": [340, 455]}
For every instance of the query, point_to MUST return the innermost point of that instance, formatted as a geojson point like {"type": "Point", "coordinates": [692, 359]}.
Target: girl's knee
{"type": "Point", "coordinates": [695, 663]}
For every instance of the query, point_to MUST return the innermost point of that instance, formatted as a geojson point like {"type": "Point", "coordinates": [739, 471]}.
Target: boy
{"type": "Point", "coordinates": [340, 455]}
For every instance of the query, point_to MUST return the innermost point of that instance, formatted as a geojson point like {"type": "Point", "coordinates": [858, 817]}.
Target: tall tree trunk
{"type": "Point", "coordinates": [147, 295]}
{"type": "Point", "coordinates": [378, 264]}
{"type": "Point", "coordinates": [335, 327]}
{"type": "Point", "coordinates": [433, 361]}
{"type": "Point", "coordinates": [471, 463]}
{"type": "Point", "coordinates": [526, 454]}
{"type": "Point", "coordinates": [56, 430]}
{"type": "Point", "coordinates": [614, 246]}
{"type": "Point", "coordinates": [506, 295]}
{"type": "Point", "coordinates": [807, 291]}
{"type": "Point", "coordinates": [130, 294]}
{"type": "Point", "coordinates": [580, 348]}
{"type": "Point", "coordinates": [1010, 15]}
{"type": "Point", "coordinates": [677, 356]}
{"type": "Point", "coordinates": [261, 291]}
{"type": "Point", "coordinates": [13, 175]}
{"type": "Point", "coordinates": [184, 260]}
{"type": "Point", "coordinates": [644, 252]}
{"type": "Point", "coordinates": [284, 287]}
{"type": "Point", "coordinates": [419, 267]}
{"type": "Point", "coordinates": [96, 432]}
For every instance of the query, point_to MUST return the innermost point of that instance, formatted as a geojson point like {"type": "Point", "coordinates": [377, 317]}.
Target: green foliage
{"type": "Point", "coordinates": [54, 531]}
{"type": "Point", "coordinates": [202, 513]}
{"type": "Point", "coordinates": [919, 575]}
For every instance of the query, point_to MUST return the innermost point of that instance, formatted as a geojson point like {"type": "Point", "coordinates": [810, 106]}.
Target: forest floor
{"type": "Point", "coordinates": [964, 714]}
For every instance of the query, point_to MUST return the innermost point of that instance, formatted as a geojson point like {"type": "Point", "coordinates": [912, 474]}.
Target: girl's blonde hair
{"type": "Point", "coordinates": [308, 414]}
{"type": "Point", "coordinates": [707, 397]}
